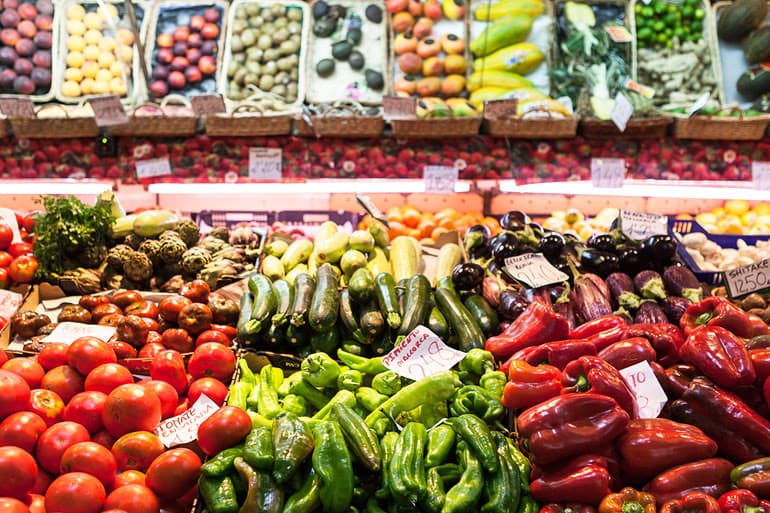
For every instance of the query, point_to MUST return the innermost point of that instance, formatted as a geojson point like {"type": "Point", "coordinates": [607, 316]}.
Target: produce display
{"type": "Point", "coordinates": [28, 37]}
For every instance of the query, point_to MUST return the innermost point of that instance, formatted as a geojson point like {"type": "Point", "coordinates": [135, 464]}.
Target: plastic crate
{"type": "Point", "coordinates": [310, 221]}
{"type": "Point", "coordinates": [678, 227]}
{"type": "Point", "coordinates": [208, 219]}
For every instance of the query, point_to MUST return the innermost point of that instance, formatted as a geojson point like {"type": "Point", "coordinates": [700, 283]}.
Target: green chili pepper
{"type": "Point", "coordinates": [369, 398]}
{"type": "Point", "coordinates": [343, 396]}
{"type": "Point", "coordinates": [494, 383]}
{"type": "Point", "coordinates": [296, 404]}
{"type": "Point", "coordinates": [221, 464]}
{"type": "Point", "coordinates": [247, 375]}
{"type": "Point", "coordinates": [258, 448]}
{"type": "Point", "coordinates": [312, 395]}
{"type": "Point", "coordinates": [528, 505]}
{"type": "Point", "coordinates": [332, 462]}
{"type": "Point", "coordinates": [284, 388]}
{"type": "Point", "coordinates": [477, 361]}
{"type": "Point", "coordinates": [320, 370]}
{"type": "Point", "coordinates": [308, 497]}
{"type": "Point", "coordinates": [219, 494]}
{"type": "Point", "coordinates": [370, 366]}
{"type": "Point", "coordinates": [465, 494]}
{"type": "Point", "coordinates": [387, 445]}
{"type": "Point", "coordinates": [522, 464]}
{"type": "Point", "coordinates": [350, 379]}
{"type": "Point", "coordinates": [387, 383]}
{"type": "Point", "coordinates": [441, 441]}
{"type": "Point", "coordinates": [476, 400]}
{"type": "Point", "coordinates": [239, 394]}
{"type": "Point", "coordinates": [475, 433]}
{"type": "Point", "coordinates": [267, 398]}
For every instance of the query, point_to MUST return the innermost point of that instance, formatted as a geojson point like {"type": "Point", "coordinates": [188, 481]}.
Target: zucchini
{"type": "Point", "coordinates": [284, 295]}
{"type": "Point", "coordinates": [385, 289]}
{"type": "Point", "coordinates": [401, 296]}
{"type": "Point", "coordinates": [361, 285]}
{"type": "Point", "coordinates": [437, 323]}
{"type": "Point", "coordinates": [245, 330]}
{"type": "Point", "coordinates": [372, 322]}
{"type": "Point", "coordinates": [325, 341]}
{"type": "Point", "coordinates": [469, 334]}
{"type": "Point", "coordinates": [348, 317]}
{"type": "Point", "coordinates": [325, 305]}
{"type": "Point", "coordinates": [272, 267]}
{"type": "Point", "coordinates": [276, 335]}
{"type": "Point", "coordinates": [378, 262]}
{"type": "Point", "coordinates": [297, 252]}
{"type": "Point", "coordinates": [264, 300]}
{"type": "Point", "coordinates": [417, 303]}
{"type": "Point", "coordinates": [291, 276]}
{"type": "Point", "coordinates": [404, 258]}
{"type": "Point", "coordinates": [304, 287]}
{"type": "Point", "coordinates": [483, 313]}
{"type": "Point", "coordinates": [448, 257]}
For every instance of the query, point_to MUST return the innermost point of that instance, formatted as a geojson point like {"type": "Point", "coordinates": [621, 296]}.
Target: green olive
{"type": "Point", "coordinates": [250, 78]}
{"type": "Point", "coordinates": [293, 59]}
{"type": "Point", "coordinates": [294, 74]}
{"type": "Point", "coordinates": [239, 76]}
{"type": "Point", "coordinates": [296, 39]}
{"type": "Point", "coordinates": [294, 27]}
{"type": "Point", "coordinates": [254, 54]}
{"type": "Point", "coordinates": [268, 15]}
{"type": "Point", "coordinates": [288, 48]}
{"type": "Point", "coordinates": [241, 13]}
{"type": "Point", "coordinates": [280, 35]}
{"type": "Point", "coordinates": [256, 21]}
{"type": "Point", "coordinates": [239, 57]}
{"type": "Point", "coordinates": [270, 68]}
{"type": "Point", "coordinates": [266, 82]}
{"type": "Point", "coordinates": [248, 38]}
{"type": "Point", "coordinates": [291, 89]}
{"type": "Point", "coordinates": [239, 25]}
{"type": "Point", "coordinates": [252, 9]}
{"type": "Point", "coordinates": [280, 90]}
{"type": "Point", "coordinates": [278, 10]}
{"type": "Point", "coordinates": [282, 77]}
{"type": "Point", "coordinates": [265, 42]}
{"type": "Point", "coordinates": [232, 68]}
{"type": "Point", "coordinates": [236, 44]}
{"type": "Point", "coordinates": [254, 67]}
{"type": "Point", "coordinates": [284, 64]}
{"type": "Point", "coordinates": [281, 22]}
{"type": "Point", "coordinates": [291, 98]}
{"type": "Point", "coordinates": [294, 13]}
{"type": "Point", "coordinates": [271, 55]}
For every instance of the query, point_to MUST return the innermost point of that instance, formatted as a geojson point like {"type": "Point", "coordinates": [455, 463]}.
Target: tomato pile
{"type": "Point", "coordinates": [77, 421]}
{"type": "Point", "coordinates": [17, 263]}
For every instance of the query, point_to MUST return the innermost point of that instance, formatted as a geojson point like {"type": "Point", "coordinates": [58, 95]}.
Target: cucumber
{"type": "Point", "coordinates": [437, 323]}
{"type": "Point", "coordinates": [348, 317]}
{"type": "Point", "coordinates": [325, 341]}
{"type": "Point", "coordinates": [245, 333]}
{"type": "Point", "coordinates": [361, 285]}
{"type": "Point", "coordinates": [483, 313]}
{"type": "Point", "coordinates": [284, 295]}
{"type": "Point", "coordinates": [385, 290]}
{"type": "Point", "coordinates": [325, 305]}
{"type": "Point", "coordinates": [469, 334]}
{"type": "Point", "coordinates": [417, 306]}
{"type": "Point", "coordinates": [264, 300]}
{"type": "Point", "coordinates": [304, 286]}
{"type": "Point", "coordinates": [372, 322]}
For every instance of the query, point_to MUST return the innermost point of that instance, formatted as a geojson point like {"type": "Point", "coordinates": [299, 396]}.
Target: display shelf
{"type": "Point", "coordinates": [25, 195]}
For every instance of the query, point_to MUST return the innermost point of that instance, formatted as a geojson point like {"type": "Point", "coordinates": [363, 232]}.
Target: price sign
{"type": "Point", "coordinates": [760, 175]}
{"type": "Point", "coordinates": [183, 428]}
{"type": "Point", "coordinates": [372, 209]}
{"type": "Point", "coordinates": [699, 103]}
{"type": "Point", "coordinates": [608, 172]}
{"type": "Point", "coordinates": [421, 354]}
{"type": "Point", "coordinates": [108, 111]}
{"type": "Point", "coordinates": [152, 168]}
{"type": "Point", "coordinates": [533, 270]}
{"type": "Point", "coordinates": [440, 179]}
{"type": "Point", "coordinates": [747, 279]}
{"type": "Point", "coordinates": [68, 332]}
{"type": "Point", "coordinates": [204, 104]}
{"type": "Point", "coordinates": [621, 112]}
{"type": "Point", "coordinates": [640, 225]}
{"type": "Point", "coordinates": [650, 396]}
{"type": "Point", "coordinates": [8, 217]}
{"type": "Point", "coordinates": [265, 163]}
{"type": "Point", "coordinates": [17, 107]}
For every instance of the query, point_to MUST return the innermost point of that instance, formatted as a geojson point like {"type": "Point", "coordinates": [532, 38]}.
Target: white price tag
{"type": "Point", "coordinates": [534, 270]}
{"type": "Point", "coordinates": [608, 172]}
{"type": "Point", "coordinates": [9, 303]}
{"type": "Point", "coordinates": [440, 178]}
{"type": "Point", "coordinates": [640, 225]}
{"type": "Point", "coordinates": [68, 332]}
{"type": "Point", "coordinates": [747, 279]}
{"type": "Point", "coordinates": [760, 175]}
{"type": "Point", "coordinates": [649, 394]}
{"type": "Point", "coordinates": [699, 103]}
{"type": "Point", "coordinates": [183, 428]}
{"type": "Point", "coordinates": [421, 354]}
{"type": "Point", "coordinates": [372, 209]}
{"type": "Point", "coordinates": [152, 168]}
{"type": "Point", "coordinates": [621, 112]}
{"type": "Point", "coordinates": [8, 217]}
{"type": "Point", "coordinates": [265, 163]}
{"type": "Point", "coordinates": [20, 107]}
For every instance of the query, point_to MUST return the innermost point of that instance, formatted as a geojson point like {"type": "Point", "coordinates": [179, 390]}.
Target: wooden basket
{"type": "Point", "coordinates": [160, 125]}
{"type": "Point", "coordinates": [54, 128]}
{"type": "Point", "coordinates": [500, 120]}
{"type": "Point", "coordinates": [436, 128]}
{"type": "Point", "coordinates": [5, 127]}
{"type": "Point", "coordinates": [655, 127]}
{"type": "Point", "coordinates": [721, 127]}
{"type": "Point", "coordinates": [339, 121]}
{"type": "Point", "coordinates": [248, 120]}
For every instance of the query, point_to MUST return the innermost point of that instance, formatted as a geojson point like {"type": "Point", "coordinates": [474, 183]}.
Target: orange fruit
{"type": "Point", "coordinates": [411, 216]}
{"type": "Point", "coordinates": [426, 227]}
{"type": "Point", "coordinates": [438, 231]}
{"type": "Point", "coordinates": [396, 229]}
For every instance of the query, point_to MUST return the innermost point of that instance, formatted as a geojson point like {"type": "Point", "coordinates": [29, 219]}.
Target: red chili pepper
{"type": "Point", "coordinates": [665, 338]}
{"type": "Point", "coordinates": [558, 353]}
{"type": "Point", "coordinates": [587, 485]}
{"type": "Point", "coordinates": [529, 385]}
{"type": "Point", "coordinates": [628, 352]}
{"type": "Point", "coordinates": [720, 355]}
{"type": "Point", "coordinates": [719, 311]}
{"type": "Point", "coordinates": [597, 325]}
{"type": "Point", "coordinates": [594, 374]}
{"type": "Point", "coordinates": [536, 325]}
{"type": "Point", "coordinates": [740, 501]}
{"type": "Point", "coordinates": [710, 476]}
{"type": "Point", "coordinates": [694, 502]}
{"type": "Point", "coordinates": [609, 336]}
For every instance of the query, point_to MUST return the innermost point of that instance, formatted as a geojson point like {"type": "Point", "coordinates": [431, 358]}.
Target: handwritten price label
{"type": "Point", "coordinates": [650, 396]}
{"type": "Point", "coordinates": [640, 225]}
{"type": "Point", "coordinates": [621, 112]}
{"type": "Point", "coordinates": [204, 104]}
{"type": "Point", "coordinates": [17, 107]}
{"type": "Point", "coordinates": [440, 179]}
{"type": "Point", "coordinates": [421, 354]}
{"type": "Point", "coordinates": [183, 428]}
{"type": "Point", "coordinates": [534, 270]}
{"type": "Point", "coordinates": [265, 163]}
{"type": "Point", "coordinates": [8, 217]}
{"type": "Point", "coordinates": [68, 332]}
{"type": "Point", "coordinates": [152, 168]}
{"type": "Point", "coordinates": [747, 279]}
{"type": "Point", "coordinates": [370, 207]}
{"type": "Point", "coordinates": [608, 173]}
{"type": "Point", "coordinates": [108, 111]}
{"type": "Point", "coordinates": [760, 175]}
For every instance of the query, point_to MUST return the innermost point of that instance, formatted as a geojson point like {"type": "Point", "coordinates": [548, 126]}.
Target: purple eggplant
{"type": "Point", "coordinates": [649, 285]}
{"type": "Point", "coordinates": [650, 312]}
{"type": "Point", "coordinates": [674, 307]}
{"type": "Point", "coordinates": [599, 282]}
{"type": "Point", "coordinates": [680, 281]}
{"type": "Point", "coordinates": [622, 290]}
{"type": "Point", "coordinates": [512, 304]}
{"type": "Point", "coordinates": [491, 290]}
{"type": "Point", "coordinates": [588, 300]}
{"type": "Point", "coordinates": [539, 295]}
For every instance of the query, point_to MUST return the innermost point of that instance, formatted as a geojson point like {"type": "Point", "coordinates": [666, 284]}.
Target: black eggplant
{"type": "Point", "coordinates": [481, 252]}
{"type": "Point", "coordinates": [514, 220]}
{"type": "Point", "coordinates": [512, 304]}
{"type": "Point", "coordinates": [680, 281]}
{"type": "Point", "coordinates": [602, 242]}
{"type": "Point", "coordinates": [622, 290]}
{"type": "Point", "coordinates": [551, 245]}
{"type": "Point", "coordinates": [631, 260]}
{"type": "Point", "coordinates": [600, 262]}
{"type": "Point", "coordinates": [660, 249]}
{"type": "Point", "coordinates": [674, 307]}
{"type": "Point", "coordinates": [650, 312]}
{"type": "Point", "coordinates": [476, 236]}
{"type": "Point", "coordinates": [467, 276]}
{"type": "Point", "coordinates": [649, 285]}
{"type": "Point", "coordinates": [504, 248]}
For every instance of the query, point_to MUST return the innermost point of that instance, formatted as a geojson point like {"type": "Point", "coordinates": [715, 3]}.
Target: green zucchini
{"type": "Point", "coordinates": [385, 288]}
{"type": "Point", "coordinates": [325, 306]}
{"type": "Point", "coordinates": [297, 336]}
{"type": "Point", "coordinates": [304, 287]}
{"type": "Point", "coordinates": [469, 334]}
{"type": "Point", "coordinates": [325, 341]}
{"type": "Point", "coordinates": [372, 322]}
{"type": "Point", "coordinates": [264, 300]}
{"type": "Point", "coordinates": [483, 313]}
{"type": "Point", "coordinates": [401, 288]}
{"type": "Point", "coordinates": [284, 295]}
{"type": "Point", "coordinates": [437, 323]}
{"type": "Point", "coordinates": [245, 329]}
{"type": "Point", "coordinates": [361, 285]}
{"type": "Point", "coordinates": [348, 317]}
{"type": "Point", "coordinates": [417, 305]}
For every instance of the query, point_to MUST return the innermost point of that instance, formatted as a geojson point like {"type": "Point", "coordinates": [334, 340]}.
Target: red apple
{"type": "Point", "coordinates": [210, 31]}
{"type": "Point", "coordinates": [181, 33]}
{"type": "Point", "coordinates": [44, 22]}
{"type": "Point", "coordinates": [197, 21]}
{"type": "Point", "coordinates": [207, 65]}
{"type": "Point", "coordinates": [179, 63]}
{"type": "Point", "coordinates": [42, 59]}
{"type": "Point", "coordinates": [209, 48]}
{"type": "Point", "coordinates": [164, 55]}
{"type": "Point", "coordinates": [7, 76]}
{"type": "Point", "coordinates": [159, 72]}
{"type": "Point", "coordinates": [23, 67]}
{"type": "Point", "coordinates": [25, 47]}
{"type": "Point", "coordinates": [176, 80]}
{"type": "Point", "coordinates": [195, 40]}
{"type": "Point", "coordinates": [27, 28]}
{"type": "Point", "coordinates": [9, 36]}
{"type": "Point", "coordinates": [27, 12]}
{"type": "Point", "coordinates": [43, 39]}
{"type": "Point", "coordinates": [211, 15]}
{"type": "Point", "coordinates": [41, 77]}
{"type": "Point", "coordinates": [193, 75]}
{"type": "Point", "coordinates": [8, 56]}
{"type": "Point", "coordinates": [193, 55]}
{"type": "Point", "coordinates": [179, 48]}
{"type": "Point", "coordinates": [165, 40]}
{"type": "Point", "coordinates": [43, 6]}
{"type": "Point", "coordinates": [159, 88]}
{"type": "Point", "coordinates": [9, 18]}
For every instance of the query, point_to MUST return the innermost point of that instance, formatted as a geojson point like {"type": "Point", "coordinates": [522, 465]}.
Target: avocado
{"type": "Point", "coordinates": [338, 11]}
{"type": "Point", "coordinates": [325, 68]}
{"type": "Point", "coordinates": [754, 82]}
{"type": "Point", "coordinates": [374, 79]}
{"type": "Point", "coordinates": [320, 9]}
{"type": "Point", "coordinates": [373, 13]}
{"type": "Point", "coordinates": [355, 22]}
{"type": "Point", "coordinates": [341, 50]}
{"type": "Point", "coordinates": [324, 27]}
{"type": "Point", "coordinates": [354, 36]}
{"type": "Point", "coordinates": [356, 60]}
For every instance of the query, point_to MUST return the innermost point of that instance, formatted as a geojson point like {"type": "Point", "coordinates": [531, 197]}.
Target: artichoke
{"type": "Point", "coordinates": [194, 259]}
{"type": "Point", "coordinates": [169, 234]}
{"type": "Point", "coordinates": [138, 267]}
{"type": "Point", "coordinates": [151, 248]}
{"type": "Point", "coordinates": [220, 232]}
{"type": "Point", "coordinates": [117, 255]}
{"type": "Point", "coordinates": [189, 232]}
{"type": "Point", "coordinates": [92, 256]}
{"type": "Point", "coordinates": [231, 253]}
{"type": "Point", "coordinates": [243, 236]}
{"type": "Point", "coordinates": [112, 279]}
{"type": "Point", "coordinates": [80, 281]}
{"type": "Point", "coordinates": [212, 244]}
{"type": "Point", "coordinates": [172, 249]}
{"type": "Point", "coordinates": [133, 240]}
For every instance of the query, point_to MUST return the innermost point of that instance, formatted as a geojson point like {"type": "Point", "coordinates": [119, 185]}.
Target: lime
{"type": "Point", "coordinates": [638, 8]}
{"type": "Point", "coordinates": [644, 34]}
{"type": "Point", "coordinates": [670, 19]}
{"type": "Point", "coordinates": [647, 11]}
{"type": "Point", "coordinates": [680, 33]}
{"type": "Point", "coordinates": [658, 26]}
{"type": "Point", "coordinates": [669, 32]}
{"type": "Point", "coordinates": [672, 8]}
{"type": "Point", "coordinates": [661, 38]}
{"type": "Point", "coordinates": [687, 12]}
{"type": "Point", "coordinates": [699, 14]}
{"type": "Point", "coordinates": [696, 27]}
{"type": "Point", "coordinates": [659, 7]}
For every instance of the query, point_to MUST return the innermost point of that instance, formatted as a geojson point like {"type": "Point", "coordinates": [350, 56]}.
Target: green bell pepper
{"type": "Point", "coordinates": [295, 404]}
{"type": "Point", "coordinates": [477, 361]}
{"type": "Point", "coordinates": [476, 400]}
{"type": "Point", "coordinates": [494, 383]}
{"type": "Point", "coordinates": [350, 379]}
{"type": "Point", "coordinates": [387, 383]}
{"type": "Point", "coordinates": [320, 370]}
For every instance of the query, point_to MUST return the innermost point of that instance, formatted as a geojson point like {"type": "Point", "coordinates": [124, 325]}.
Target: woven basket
{"type": "Point", "coordinates": [160, 124]}
{"type": "Point", "coordinates": [400, 113]}
{"type": "Point", "coordinates": [503, 122]}
{"type": "Point", "coordinates": [5, 127]}
{"type": "Point", "coordinates": [637, 128]}
{"type": "Point", "coordinates": [341, 120]}
{"type": "Point", "coordinates": [54, 128]}
{"type": "Point", "coordinates": [248, 120]}
{"type": "Point", "coordinates": [721, 127]}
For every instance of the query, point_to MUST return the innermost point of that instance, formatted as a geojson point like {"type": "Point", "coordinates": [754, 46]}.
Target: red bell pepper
{"type": "Point", "coordinates": [678, 378]}
{"type": "Point", "coordinates": [720, 311]}
{"type": "Point", "coordinates": [570, 507]}
{"type": "Point", "coordinates": [536, 325]}
{"type": "Point", "coordinates": [628, 352]}
{"type": "Point", "coordinates": [650, 446]}
{"type": "Point", "coordinates": [742, 501]}
{"type": "Point", "coordinates": [587, 484]}
{"type": "Point", "coordinates": [753, 475]}
{"type": "Point", "coordinates": [569, 425]}
{"type": "Point", "coordinates": [731, 411]}
{"type": "Point", "coordinates": [760, 360]}
{"type": "Point", "coordinates": [720, 355]}
{"type": "Point", "coordinates": [594, 326]}
{"type": "Point", "coordinates": [665, 338]}
{"type": "Point", "coordinates": [710, 476]}
{"type": "Point", "coordinates": [758, 342]}
{"type": "Point", "coordinates": [693, 502]}
{"type": "Point", "coordinates": [529, 385]}
{"type": "Point", "coordinates": [609, 336]}
{"type": "Point", "coordinates": [558, 353]}
{"type": "Point", "coordinates": [594, 374]}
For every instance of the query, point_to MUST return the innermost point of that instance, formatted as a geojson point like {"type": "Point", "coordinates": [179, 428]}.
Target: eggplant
{"type": "Point", "coordinates": [622, 290]}
{"type": "Point", "coordinates": [539, 295]}
{"type": "Point", "coordinates": [588, 299]}
{"type": "Point", "coordinates": [650, 312]}
{"type": "Point", "coordinates": [476, 236]}
{"type": "Point", "coordinates": [649, 285]}
{"type": "Point", "coordinates": [512, 304]}
{"type": "Point", "coordinates": [503, 249]}
{"type": "Point", "coordinates": [467, 276]}
{"type": "Point", "coordinates": [565, 310]}
{"type": "Point", "coordinates": [490, 288]}
{"type": "Point", "coordinates": [631, 260]}
{"type": "Point", "coordinates": [551, 245]}
{"type": "Point", "coordinates": [602, 242]}
{"type": "Point", "coordinates": [480, 252]}
{"type": "Point", "coordinates": [600, 262]}
{"type": "Point", "coordinates": [674, 307]}
{"type": "Point", "coordinates": [659, 248]}
{"type": "Point", "coordinates": [514, 220]}
{"type": "Point", "coordinates": [600, 283]}
{"type": "Point", "coordinates": [680, 281]}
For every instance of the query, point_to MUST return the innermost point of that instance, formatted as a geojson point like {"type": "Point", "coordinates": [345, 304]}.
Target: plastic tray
{"type": "Point", "coordinates": [211, 218]}
{"type": "Point", "coordinates": [309, 222]}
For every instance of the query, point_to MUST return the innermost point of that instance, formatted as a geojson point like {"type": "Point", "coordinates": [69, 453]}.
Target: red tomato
{"type": "Point", "coordinates": [183, 406]}
{"type": "Point", "coordinates": [103, 438]}
{"type": "Point", "coordinates": [128, 477]}
{"type": "Point", "coordinates": [44, 479]}
{"type": "Point", "coordinates": [224, 311]}
{"type": "Point", "coordinates": [76, 492]}
{"type": "Point", "coordinates": [195, 318]}
{"type": "Point", "coordinates": [145, 356]}
{"type": "Point", "coordinates": [55, 440]}
{"type": "Point", "coordinates": [166, 393]}
{"type": "Point", "coordinates": [107, 377]}
{"type": "Point", "coordinates": [6, 236]}
{"type": "Point", "coordinates": [154, 337]}
{"type": "Point", "coordinates": [197, 291]}
{"type": "Point", "coordinates": [142, 308]}
{"type": "Point", "coordinates": [91, 458]}
{"type": "Point", "coordinates": [28, 222]}
{"type": "Point", "coordinates": [169, 307]}
{"type": "Point", "coordinates": [91, 301]}
{"type": "Point", "coordinates": [228, 426]}
{"type": "Point", "coordinates": [18, 472]}
{"type": "Point", "coordinates": [136, 450]}
{"type": "Point", "coordinates": [5, 278]}
{"type": "Point", "coordinates": [133, 498]}
{"type": "Point", "coordinates": [27, 368]}
{"type": "Point", "coordinates": [178, 340]}
{"type": "Point", "coordinates": [214, 360]}
{"type": "Point", "coordinates": [52, 355]}
{"type": "Point", "coordinates": [10, 505]}
{"type": "Point", "coordinates": [36, 503]}
{"type": "Point", "coordinates": [86, 408]}
{"type": "Point", "coordinates": [64, 380]}
{"type": "Point", "coordinates": [122, 349]}
{"type": "Point", "coordinates": [211, 387]}
{"type": "Point", "coordinates": [168, 365]}
{"type": "Point", "coordinates": [173, 473]}
{"type": "Point", "coordinates": [133, 329]}
{"type": "Point", "coordinates": [18, 249]}
{"type": "Point", "coordinates": [131, 407]}
{"type": "Point", "coordinates": [22, 269]}
{"type": "Point", "coordinates": [22, 429]}
{"type": "Point", "coordinates": [87, 353]}
{"type": "Point", "coordinates": [212, 336]}
{"type": "Point", "coordinates": [5, 259]}
{"type": "Point", "coordinates": [103, 310]}
{"type": "Point", "coordinates": [15, 394]}
{"type": "Point", "coordinates": [47, 404]}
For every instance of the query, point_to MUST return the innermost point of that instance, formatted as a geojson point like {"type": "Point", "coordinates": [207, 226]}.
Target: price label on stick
{"type": "Point", "coordinates": [421, 354]}
{"type": "Point", "coordinates": [17, 107]}
{"type": "Point", "coordinates": [747, 279]}
{"type": "Point", "coordinates": [440, 179]}
{"type": "Point", "coordinates": [265, 163]}
{"type": "Point", "coordinates": [760, 175]}
{"type": "Point", "coordinates": [371, 209]}
{"type": "Point", "coordinates": [108, 111]}
{"type": "Point", "coordinates": [183, 428]}
{"type": "Point", "coordinates": [608, 173]}
{"type": "Point", "coordinates": [640, 225]}
{"type": "Point", "coordinates": [534, 270]}
{"type": "Point", "coordinates": [204, 104]}
{"type": "Point", "coordinates": [650, 396]}
{"type": "Point", "coordinates": [151, 168]}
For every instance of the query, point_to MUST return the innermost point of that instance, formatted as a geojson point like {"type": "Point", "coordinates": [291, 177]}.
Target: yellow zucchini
{"type": "Point", "coordinates": [448, 257]}
{"type": "Point", "coordinates": [404, 257]}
